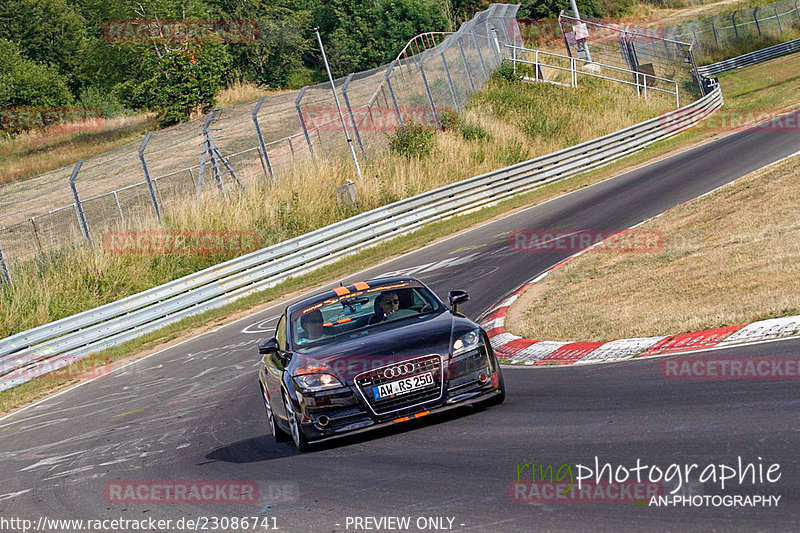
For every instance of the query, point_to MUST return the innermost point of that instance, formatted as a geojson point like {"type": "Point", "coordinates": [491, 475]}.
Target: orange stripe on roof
{"type": "Point", "coordinates": [341, 291]}
{"type": "Point", "coordinates": [361, 285]}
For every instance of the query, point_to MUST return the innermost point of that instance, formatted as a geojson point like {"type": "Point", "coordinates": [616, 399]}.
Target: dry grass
{"type": "Point", "coordinates": [37, 151]}
{"type": "Point", "coordinates": [242, 93]}
{"type": "Point", "coordinates": [520, 121]}
{"type": "Point", "coordinates": [729, 258]}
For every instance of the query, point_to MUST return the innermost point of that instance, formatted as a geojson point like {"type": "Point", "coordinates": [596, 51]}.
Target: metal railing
{"type": "Point", "coordinates": [57, 344]}
{"type": "Point", "coordinates": [641, 80]}
{"type": "Point", "coordinates": [753, 58]}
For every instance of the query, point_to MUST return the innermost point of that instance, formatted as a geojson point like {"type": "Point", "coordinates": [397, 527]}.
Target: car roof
{"type": "Point", "coordinates": [343, 290]}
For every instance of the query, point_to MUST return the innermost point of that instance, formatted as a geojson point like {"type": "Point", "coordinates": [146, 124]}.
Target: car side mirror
{"type": "Point", "coordinates": [457, 297]}
{"type": "Point", "coordinates": [268, 347]}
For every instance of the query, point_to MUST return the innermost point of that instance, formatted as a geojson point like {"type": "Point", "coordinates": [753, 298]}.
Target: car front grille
{"type": "Point", "coordinates": [378, 376]}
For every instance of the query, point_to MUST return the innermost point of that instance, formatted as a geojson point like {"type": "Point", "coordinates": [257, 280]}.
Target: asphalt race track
{"type": "Point", "coordinates": [193, 412]}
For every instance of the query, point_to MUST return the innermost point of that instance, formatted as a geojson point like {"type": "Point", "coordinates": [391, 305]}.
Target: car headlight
{"type": "Point", "coordinates": [468, 341]}
{"type": "Point", "coordinates": [317, 382]}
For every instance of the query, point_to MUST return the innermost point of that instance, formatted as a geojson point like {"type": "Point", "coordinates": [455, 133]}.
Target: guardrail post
{"type": "Point", "coordinates": [262, 147]}
{"type": "Point", "coordinates": [147, 174]}
{"type": "Point", "coordinates": [387, 79]}
{"type": "Point", "coordinates": [428, 91]}
{"type": "Point", "coordinates": [480, 57]}
{"type": "Point", "coordinates": [755, 17]}
{"type": "Point", "coordinates": [466, 65]}
{"type": "Point", "coordinates": [350, 112]}
{"type": "Point", "coordinates": [778, 18]}
{"type": "Point", "coordinates": [5, 277]}
{"type": "Point", "coordinates": [733, 20]}
{"type": "Point", "coordinates": [78, 205]}
{"type": "Point", "coordinates": [450, 81]}
{"type": "Point", "coordinates": [303, 122]}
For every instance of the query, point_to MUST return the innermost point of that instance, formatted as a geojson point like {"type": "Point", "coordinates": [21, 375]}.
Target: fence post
{"type": "Point", "coordinates": [350, 112]}
{"type": "Point", "coordinates": [450, 82]}
{"type": "Point", "coordinates": [303, 122]}
{"type": "Point", "coordinates": [206, 151]}
{"type": "Point", "coordinates": [36, 235]}
{"type": "Point", "coordinates": [119, 205]}
{"type": "Point", "coordinates": [489, 39]}
{"type": "Point", "coordinates": [714, 31]}
{"type": "Point", "coordinates": [735, 29]}
{"type": "Point", "coordinates": [78, 204]}
{"type": "Point", "coordinates": [480, 58]}
{"type": "Point", "coordinates": [466, 66]}
{"type": "Point", "coordinates": [755, 17]}
{"type": "Point", "coordinates": [262, 148]}
{"type": "Point", "coordinates": [147, 175]}
{"type": "Point", "coordinates": [428, 91]}
{"type": "Point", "coordinates": [796, 8]}
{"type": "Point", "coordinates": [5, 277]}
{"type": "Point", "coordinates": [387, 79]}
{"type": "Point", "coordinates": [778, 18]}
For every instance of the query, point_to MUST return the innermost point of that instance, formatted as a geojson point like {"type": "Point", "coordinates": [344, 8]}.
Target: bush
{"type": "Point", "coordinates": [448, 119]}
{"type": "Point", "coordinates": [413, 141]}
{"type": "Point", "coordinates": [505, 72]}
{"type": "Point", "coordinates": [472, 131]}
{"type": "Point", "coordinates": [107, 104]}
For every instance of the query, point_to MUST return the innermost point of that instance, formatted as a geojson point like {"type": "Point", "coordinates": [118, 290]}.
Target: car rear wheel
{"type": "Point", "coordinates": [300, 440]}
{"type": "Point", "coordinates": [277, 433]}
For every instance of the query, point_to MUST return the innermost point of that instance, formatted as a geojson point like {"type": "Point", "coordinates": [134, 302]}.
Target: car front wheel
{"type": "Point", "coordinates": [299, 439]}
{"type": "Point", "coordinates": [277, 433]}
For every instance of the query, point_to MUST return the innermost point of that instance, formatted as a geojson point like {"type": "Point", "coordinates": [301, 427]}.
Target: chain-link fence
{"type": "Point", "coordinates": [235, 147]}
{"type": "Point", "coordinates": [714, 33]}
{"type": "Point", "coordinates": [646, 51]}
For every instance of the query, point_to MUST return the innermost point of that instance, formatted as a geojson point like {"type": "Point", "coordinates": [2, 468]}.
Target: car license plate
{"type": "Point", "coordinates": [402, 386]}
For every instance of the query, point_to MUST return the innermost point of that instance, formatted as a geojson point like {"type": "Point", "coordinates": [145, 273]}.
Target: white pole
{"type": "Point", "coordinates": [338, 105]}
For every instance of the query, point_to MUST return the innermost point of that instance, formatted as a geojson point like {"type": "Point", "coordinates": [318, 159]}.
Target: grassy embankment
{"type": "Point", "coordinates": [728, 258]}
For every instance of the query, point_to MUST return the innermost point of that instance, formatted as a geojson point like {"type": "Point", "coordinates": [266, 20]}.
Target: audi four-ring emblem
{"type": "Point", "coordinates": [399, 370]}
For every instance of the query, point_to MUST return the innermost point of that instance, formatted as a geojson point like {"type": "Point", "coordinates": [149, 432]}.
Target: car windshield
{"type": "Point", "coordinates": [360, 313]}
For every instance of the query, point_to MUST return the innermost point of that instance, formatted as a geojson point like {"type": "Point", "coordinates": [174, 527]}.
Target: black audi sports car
{"type": "Point", "coordinates": [372, 354]}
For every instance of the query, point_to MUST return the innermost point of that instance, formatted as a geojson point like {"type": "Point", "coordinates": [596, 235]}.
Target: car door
{"type": "Point", "coordinates": [274, 369]}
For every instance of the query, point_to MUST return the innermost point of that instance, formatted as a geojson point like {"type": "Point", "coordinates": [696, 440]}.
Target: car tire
{"type": "Point", "coordinates": [272, 423]}
{"type": "Point", "coordinates": [300, 440]}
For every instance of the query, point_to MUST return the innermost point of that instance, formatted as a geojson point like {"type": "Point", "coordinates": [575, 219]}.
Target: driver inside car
{"type": "Point", "coordinates": [312, 324]}
{"type": "Point", "coordinates": [386, 304]}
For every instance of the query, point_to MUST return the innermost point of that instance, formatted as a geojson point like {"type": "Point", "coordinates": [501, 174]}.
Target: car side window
{"type": "Point", "coordinates": [280, 333]}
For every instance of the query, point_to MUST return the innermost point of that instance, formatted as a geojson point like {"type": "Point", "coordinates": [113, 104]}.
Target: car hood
{"type": "Point", "coordinates": [424, 336]}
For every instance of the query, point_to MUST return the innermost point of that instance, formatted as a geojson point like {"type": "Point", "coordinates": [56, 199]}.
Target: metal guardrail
{"type": "Point", "coordinates": [753, 58]}
{"type": "Point", "coordinates": [28, 354]}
